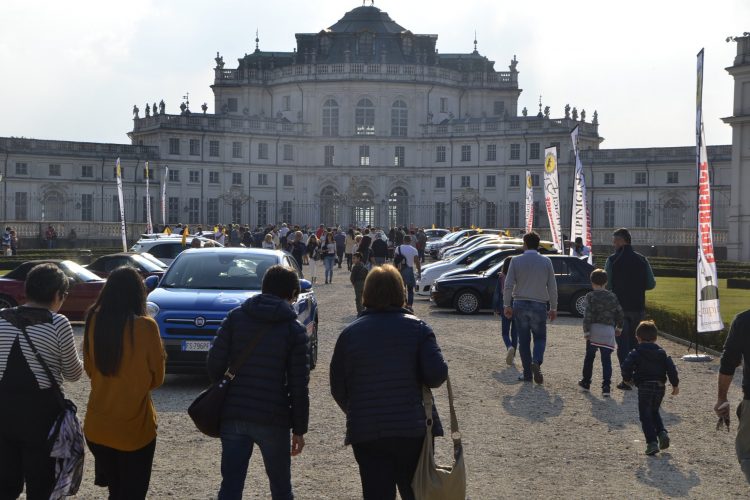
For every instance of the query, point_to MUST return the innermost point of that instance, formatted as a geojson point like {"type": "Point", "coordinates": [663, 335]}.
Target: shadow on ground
{"type": "Point", "coordinates": [533, 403]}
{"type": "Point", "coordinates": [659, 472]}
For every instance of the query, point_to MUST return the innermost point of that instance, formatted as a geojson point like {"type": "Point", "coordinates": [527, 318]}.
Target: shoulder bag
{"type": "Point", "coordinates": [205, 410]}
{"type": "Point", "coordinates": [399, 260]}
{"type": "Point", "coordinates": [439, 482]}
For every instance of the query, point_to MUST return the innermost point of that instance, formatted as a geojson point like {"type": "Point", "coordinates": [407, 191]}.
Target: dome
{"type": "Point", "coordinates": [366, 19]}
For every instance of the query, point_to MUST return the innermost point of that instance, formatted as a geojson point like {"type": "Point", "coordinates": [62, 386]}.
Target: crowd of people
{"type": "Point", "coordinates": [380, 363]}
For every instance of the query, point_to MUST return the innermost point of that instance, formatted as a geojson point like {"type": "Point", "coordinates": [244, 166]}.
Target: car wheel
{"type": "Point", "coordinates": [578, 304]}
{"type": "Point", "coordinates": [314, 346]}
{"type": "Point", "coordinates": [467, 302]}
{"type": "Point", "coordinates": [7, 302]}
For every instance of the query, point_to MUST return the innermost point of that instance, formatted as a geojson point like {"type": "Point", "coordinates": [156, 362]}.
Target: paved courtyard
{"type": "Point", "coordinates": [521, 440]}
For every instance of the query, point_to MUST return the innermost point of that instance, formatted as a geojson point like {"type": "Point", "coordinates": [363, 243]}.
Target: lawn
{"type": "Point", "coordinates": [678, 294]}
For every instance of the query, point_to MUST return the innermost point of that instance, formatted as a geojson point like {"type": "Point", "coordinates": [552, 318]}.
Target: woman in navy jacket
{"type": "Point", "coordinates": [379, 365]}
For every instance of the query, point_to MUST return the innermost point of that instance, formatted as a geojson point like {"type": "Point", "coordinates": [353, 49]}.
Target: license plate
{"type": "Point", "coordinates": [196, 345]}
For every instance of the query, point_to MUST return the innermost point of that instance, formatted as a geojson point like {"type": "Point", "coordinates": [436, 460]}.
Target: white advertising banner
{"type": "Point", "coordinates": [580, 223]}
{"type": "Point", "coordinates": [149, 226]}
{"type": "Point", "coordinates": [164, 196]}
{"type": "Point", "coordinates": [552, 196]}
{"type": "Point", "coordinates": [122, 208]}
{"type": "Point", "coordinates": [529, 202]}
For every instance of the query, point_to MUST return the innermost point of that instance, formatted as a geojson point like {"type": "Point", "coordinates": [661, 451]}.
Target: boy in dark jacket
{"type": "Point", "coordinates": [357, 277]}
{"type": "Point", "coordinates": [648, 366]}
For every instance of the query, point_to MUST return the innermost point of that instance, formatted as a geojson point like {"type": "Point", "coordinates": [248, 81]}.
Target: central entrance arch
{"type": "Point", "coordinates": [398, 207]}
{"type": "Point", "coordinates": [363, 207]}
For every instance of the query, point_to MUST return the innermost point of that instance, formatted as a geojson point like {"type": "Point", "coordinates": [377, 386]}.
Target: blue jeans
{"type": "Point", "coordinates": [588, 364]}
{"type": "Point", "coordinates": [407, 273]}
{"type": "Point", "coordinates": [237, 441]}
{"type": "Point", "coordinates": [329, 261]}
{"type": "Point", "coordinates": [626, 342]}
{"type": "Point", "coordinates": [510, 336]}
{"type": "Point", "coordinates": [650, 395]}
{"type": "Point", "coordinates": [530, 318]}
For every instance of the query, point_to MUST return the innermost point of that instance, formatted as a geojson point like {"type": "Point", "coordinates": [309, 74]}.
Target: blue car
{"type": "Point", "coordinates": [200, 288]}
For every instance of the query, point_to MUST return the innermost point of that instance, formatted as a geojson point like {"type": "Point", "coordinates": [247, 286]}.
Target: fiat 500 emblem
{"type": "Point", "coordinates": [200, 321]}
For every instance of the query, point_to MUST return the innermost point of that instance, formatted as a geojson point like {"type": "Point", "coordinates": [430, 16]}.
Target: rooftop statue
{"type": "Point", "coordinates": [575, 114]}
{"type": "Point", "coordinates": [524, 111]}
{"type": "Point", "coordinates": [219, 61]}
{"type": "Point", "coordinates": [154, 108]}
{"type": "Point", "coordinates": [567, 111]}
{"type": "Point", "coordinates": [161, 107]}
{"type": "Point", "coordinates": [546, 112]}
{"type": "Point", "coordinates": [583, 115]}
{"type": "Point", "coordinates": [513, 64]}
{"type": "Point", "coordinates": [135, 111]}
{"type": "Point", "coordinates": [204, 107]}
{"type": "Point", "coordinates": [595, 121]}
{"type": "Point", "coordinates": [148, 110]}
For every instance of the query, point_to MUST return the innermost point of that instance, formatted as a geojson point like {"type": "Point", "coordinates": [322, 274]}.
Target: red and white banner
{"type": "Point", "coordinates": [164, 196]}
{"type": "Point", "coordinates": [707, 284]}
{"type": "Point", "coordinates": [552, 196]}
{"type": "Point", "coordinates": [529, 202]}
{"type": "Point", "coordinates": [149, 226]}
{"type": "Point", "coordinates": [580, 223]}
{"type": "Point", "coordinates": [122, 207]}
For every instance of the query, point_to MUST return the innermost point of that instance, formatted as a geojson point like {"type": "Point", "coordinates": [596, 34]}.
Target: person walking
{"type": "Point", "coordinates": [379, 365]}
{"type": "Point", "coordinates": [409, 262]}
{"type": "Point", "coordinates": [340, 238]}
{"type": "Point", "coordinates": [736, 352]}
{"type": "Point", "coordinates": [421, 243]}
{"type": "Point", "coordinates": [268, 243]}
{"type": "Point", "coordinates": [28, 397]}
{"type": "Point", "coordinates": [379, 249]}
{"type": "Point", "coordinates": [328, 250]}
{"type": "Point", "coordinates": [6, 241]}
{"type": "Point", "coordinates": [13, 242]}
{"type": "Point", "coordinates": [313, 254]}
{"type": "Point", "coordinates": [349, 246]}
{"type": "Point", "coordinates": [269, 394]}
{"type": "Point", "coordinates": [507, 326]}
{"type": "Point", "coordinates": [602, 323]}
{"type": "Point", "coordinates": [124, 357]}
{"type": "Point", "coordinates": [297, 249]}
{"type": "Point", "coordinates": [629, 276]}
{"type": "Point", "coordinates": [529, 286]}
{"type": "Point", "coordinates": [357, 277]}
{"type": "Point", "coordinates": [364, 248]}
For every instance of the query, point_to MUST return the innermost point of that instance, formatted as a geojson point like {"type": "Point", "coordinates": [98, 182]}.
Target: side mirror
{"type": "Point", "coordinates": [305, 285]}
{"type": "Point", "coordinates": [151, 282]}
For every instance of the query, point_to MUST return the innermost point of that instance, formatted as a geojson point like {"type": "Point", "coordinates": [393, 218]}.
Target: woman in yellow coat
{"type": "Point", "coordinates": [124, 357]}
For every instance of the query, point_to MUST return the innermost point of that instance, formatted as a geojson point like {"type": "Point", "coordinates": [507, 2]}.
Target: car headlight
{"type": "Point", "coordinates": [152, 309]}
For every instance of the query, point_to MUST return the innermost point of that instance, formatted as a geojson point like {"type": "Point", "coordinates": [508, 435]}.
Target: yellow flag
{"type": "Point", "coordinates": [216, 229]}
{"type": "Point", "coordinates": [433, 226]}
{"type": "Point", "coordinates": [184, 236]}
{"type": "Point", "coordinates": [479, 230]}
{"type": "Point", "coordinates": [167, 230]}
{"type": "Point", "coordinates": [472, 226]}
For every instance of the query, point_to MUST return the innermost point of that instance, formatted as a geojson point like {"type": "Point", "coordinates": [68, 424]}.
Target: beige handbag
{"type": "Point", "coordinates": [437, 482]}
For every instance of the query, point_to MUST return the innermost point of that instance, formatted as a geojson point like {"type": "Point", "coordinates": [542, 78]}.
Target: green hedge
{"type": "Point", "coordinates": [741, 283]}
{"type": "Point", "coordinates": [682, 325]}
{"type": "Point", "coordinates": [689, 272]}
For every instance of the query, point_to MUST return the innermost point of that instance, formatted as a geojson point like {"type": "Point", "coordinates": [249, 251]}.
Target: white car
{"type": "Point", "coordinates": [432, 272]}
{"type": "Point", "coordinates": [166, 247]}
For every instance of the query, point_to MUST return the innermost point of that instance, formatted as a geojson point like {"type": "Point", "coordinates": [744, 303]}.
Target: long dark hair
{"type": "Point", "coordinates": [120, 301]}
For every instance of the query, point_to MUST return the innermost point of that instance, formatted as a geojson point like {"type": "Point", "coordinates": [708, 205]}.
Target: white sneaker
{"type": "Point", "coordinates": [510, 356]}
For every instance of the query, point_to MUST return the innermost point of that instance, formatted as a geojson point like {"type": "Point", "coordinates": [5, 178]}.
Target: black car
{"type": "Point", "coordinates": [469, 293]}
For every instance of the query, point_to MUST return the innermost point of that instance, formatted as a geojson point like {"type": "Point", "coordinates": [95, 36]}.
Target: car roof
{"type": "Point", "coordinates": [236, 250]}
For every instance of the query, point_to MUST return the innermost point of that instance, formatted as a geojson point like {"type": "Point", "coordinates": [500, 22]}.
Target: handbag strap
{"type": "Point", "coordinates": [427, 400]}
{"type": "Point", "coordinates": [40, 360]}
{"type": "Point", "coordinates": [249, 348]}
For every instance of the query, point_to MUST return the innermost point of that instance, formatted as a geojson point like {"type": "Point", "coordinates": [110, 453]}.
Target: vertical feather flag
{"type": "Point", "coordinates": [184, 236]}
{"type": "Point", "coordinates": [529, 202]}
{"type": "Point", "coordinates": [149, 226]}
{"type": "Point", "coordinates": [552, 196]}
{"type": "Point", "coordinates": [122, 206]}
{"type": "Point", "coordinates": [580, 222]}
{"type": "Point", "coordinates": [164, 196]}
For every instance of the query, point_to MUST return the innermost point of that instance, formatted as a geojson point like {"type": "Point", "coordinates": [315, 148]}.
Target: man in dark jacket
{"type": "Point", "coordinates": [269, 394]}
{"type": "Point", "coordinates": [629, 275]}
{"type": "Point", "coordinates": [340, 239]}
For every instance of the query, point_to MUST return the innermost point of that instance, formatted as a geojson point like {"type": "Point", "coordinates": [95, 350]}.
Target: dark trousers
{"type": "Point", "coordinates": [386, 464]}
{"type": "Point", "coordinates": [588, 364]}
{"type": "Point", "coordinates": [349, 262]}
{"type": "Point", "coordinates": [359, 287]}
{"type": "Point", "coordinates": [627, 341]}
{"type": "Point", "coordinates": [340, 255]}
{"type": "Point", "coordinates": [650, 395]}
{"type": "Point", "coordinates": [126, 474]}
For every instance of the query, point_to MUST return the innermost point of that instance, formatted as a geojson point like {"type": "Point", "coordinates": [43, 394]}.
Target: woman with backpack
{"type": "Point", "coordinates": [313, 256]}
{"type": "Point", "coordinates": [328, 250]}
{"type": "Point", "coordinates": [124, 357]}
{"type": "Point", "coordinates": [28, 398]}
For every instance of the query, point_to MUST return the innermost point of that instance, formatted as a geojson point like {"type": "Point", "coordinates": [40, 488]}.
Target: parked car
{"type": "Point", "coordinates": [435, 234]}
{"type": "Point", "coordinates": [432, 247]}
{"type": "Point", "coordinates": [83, 292]}
{"type": "Point", "coordinates": [434, 271]}
{"type": "Point", "coordinates": [468, 244]}
{"type": "Point", "coordinates": [486, 262]}
{"type": "Point", "coordinates": [470, 293]}
{"type": "Point", "coordinates": [166, 247]}
{"type": "Point", "coordinates": [144, 265]}
{"type": "Point", "coordinates": [202, 286]}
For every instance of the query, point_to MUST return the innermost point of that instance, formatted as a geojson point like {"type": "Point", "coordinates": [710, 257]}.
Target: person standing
{"type": "Point", "coordinates": [629, 275]}
{"type": "Point", "coordinates": [421, 243]}
{"type": "Point", "coordinates": [6, 242]}
{"type": "Point", "coordinates": [13, 242]}
{"type": "Point", "coordinates": [529, 286]}
{"type": "Point", "coordinates": [298, 249]}
{"type": "Point", "coordinates": [408, 267]}
{"type": "Point", "coordinates": [268, 243]}
{"type": "Point", "coordinates": [313, 254]}
{"type": "Point", "coordinates": [349, 246]}
{"type": "Point", "coordinates": [50, 235]}
{"type": "Point", "coordinates": [378, 368]}
{"type": "Point", "coordinates": [283, 235]}
{"type": "Point", "coordinates": [219, 235]}
{"type": "Point", "coordinates": [28, 397]}
{"type": "Point", "coordinates": [379, 249]}
{"type": "Point", "coordinates": [340, 239]}
{"type": "Point", "coordinates": [357, 277]}
{"type": "Point", "coordinates": [364, 248]}
{"type": "Point", "coordinates": [269, 394]}
{"type": "Point", "coordinates": [579, 249]}
{"type": "Point", "coordinates": [736, 352]}
{"type": "Point", "coordinates": [328, 250]}
{"type": "Point", "coordinates": [124, 357]}
{"type": "Point", "coordinates": [507, 326]}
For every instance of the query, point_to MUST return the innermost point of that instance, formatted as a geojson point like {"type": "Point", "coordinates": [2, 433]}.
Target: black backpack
{"type": "Point", "coordinates": [399, 260]}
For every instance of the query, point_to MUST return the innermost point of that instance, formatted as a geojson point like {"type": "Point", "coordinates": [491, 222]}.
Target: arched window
{"type": "Point", "coordinates": [398, 207]}
{"type": "Point", "coordinates": [674, 214]}
{"type": "Point", "coordinates": [329, 206]}
{"type": "Point", "coordinates": [53, 206]}
{"type": "Point", "coordinates": [330, 118]}
{"type": "Point", "coordinates": [399, 119]}
{"type": "Point", "coordinates": [363, 210]}
{"type": "Point", "coordinates": [364, 117]}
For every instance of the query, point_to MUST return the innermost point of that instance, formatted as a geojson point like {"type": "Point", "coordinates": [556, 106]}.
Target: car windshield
{"type": "Point", "coordinates": [147, 264]}
{"type": "Point", "coordinates": [73, 270]}
{"type": "Point", "coordinates": [218, 271]}
{"type": "Point", "coordinates": [147, 256]}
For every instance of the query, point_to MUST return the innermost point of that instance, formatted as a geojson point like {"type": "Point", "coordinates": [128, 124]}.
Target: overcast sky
{"type": "Point", "coordinates": [72, 70]}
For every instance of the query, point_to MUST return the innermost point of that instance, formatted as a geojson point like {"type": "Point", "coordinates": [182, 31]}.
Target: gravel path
{"type": "Point", "coordinates": [520, 439]}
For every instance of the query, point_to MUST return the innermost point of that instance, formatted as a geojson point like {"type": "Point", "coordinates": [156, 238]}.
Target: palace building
{"type": "Point", "coordinates": [366, 122]}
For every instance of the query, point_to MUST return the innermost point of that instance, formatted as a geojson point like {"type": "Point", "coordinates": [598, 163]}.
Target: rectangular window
{"type": "Point", "coordinates": [330, 121]}
{"type": "Point", "coordinates": [440, 157]}
{"type": "Point", "coordinates": [514, 214]}
{"type": "Point", "coordinates": [514, 180]}
{"type": "Point", "coordinates": [194, 176]}
{"type": "Point", "coordinates": [672, 177]}
{"type": "Point", "coordinates": [499, 108]}
{"type": "Point", "coordinates": [236, 211]}
{"type": "Point", "coordinates": [491, 215]}
{"type": "Point", "coordinates": [464, 213]}
{"type": "Point", "coordinates": [609, 213]}
{"type": "Point", "coordinates": [173, 210]}
{"type": "Point", "coordinates": [236, 178]}
{"type": "Point", "coordinates": [236, 149]}
{"type": "Point", "coordinates": [288, 180]}
{"type": "Point", "coordinates": [213, 149]}
{"type": "Point", "coordinates": [174, 175]}
{"type": "Point", "coordinates": [443, 104]}
{"type": "Point", "coordinates": [288, 152]}
{"type": "Point", "coordinates": [54, 170]}
{"type": "Point", "coordinates": [194, 205]}
{"type": "Point", "coordinates": [490, 181]}
{"type": "Point", "coordinates": [556, 145]}
{"type": "Point", "coordinates": [641, 213]}
{"type": "Point", "coordinates": [491, 152]}
{"type": "Point", "coordinates": [286, 103]}
{"type": "Point", "coordinates": [440, 214]}
{"type": "Point", "coordinates": [87, 207]}
{"type": "Point", "coordinates": [22, 206]}
{"type": "Point", "coordinates": [440, 182]}
{"type": "Point", "coordinates": [262, 212]}
{"type": "Point", "coordinates": [328, 155]}
{"type": "Point", "coordinates": [399, 156]}
{"type": "Point", "coordinates": [232, 105]}
{"type": "Point", "coordinates": [212, 211]}
{"type": "Point", "coordinates": [22, 169]}
{"type": "Point", "coordinates": [87, 171]}
{"type": "Point", "coordinates": [534, 151]}
{"type": "Point", "coordinates": [465, 181]}
{"type": "Point", "coordinates": [515, 151]}
{"type": "Point", "coordinates": [213, 177]}
{"type": "Point", "coordinates": [195, 147]}
{"type": "Point", "coordinates": [640, 178]}
{"type": "Point", "coordinates": [286, 212]}
{"type": "Point", "coordinates": [609, 178]}
{"type": "Point", "coordinates": [364, 155]}
{"type": "Point", "coordinates": [174, 146]}
{"type": "Point", "coordinates": [262, 151]}
{"type": "Point", "coordinates": [465, 152]}
{"type": "Point", "coordinates": [263, 179]}
{"type": "Point", "coordinates": [535, 180]}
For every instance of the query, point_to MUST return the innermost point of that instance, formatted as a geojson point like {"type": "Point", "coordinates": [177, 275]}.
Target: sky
{"type": "Point", "coordinates": [73, 70]}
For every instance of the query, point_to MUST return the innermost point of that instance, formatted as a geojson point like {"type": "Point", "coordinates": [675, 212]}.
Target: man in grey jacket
{"type": "Point", "coordinates": [529, 286]}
